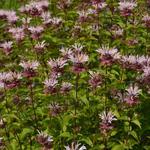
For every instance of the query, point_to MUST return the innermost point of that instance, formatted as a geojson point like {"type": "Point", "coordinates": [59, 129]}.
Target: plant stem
{"type": "Point", "coordinates": [33, 106]}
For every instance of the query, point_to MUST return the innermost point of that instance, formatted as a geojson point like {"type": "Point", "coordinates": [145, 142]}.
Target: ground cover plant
{"type": "Point", "coordinates": [74, 75]}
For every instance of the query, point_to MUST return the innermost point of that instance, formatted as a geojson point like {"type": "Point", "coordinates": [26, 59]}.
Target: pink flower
{"type": "Point", "coordinates": [63, 4]}
{"type": "Point", "coordinates": [36, 31]}
{"type": "Point", "coordinates": [30, 68]}
{"type": "Point", "coordinates": [11, 16]}
{"type": "Point", "coordinates": [108, 55]}
{"type": "Point", "coordinates": [132, 95]}
{"type": "Point", "coordinates": [17, 33]}
{"type": "Point", "coordinates": [35, 8]}
{"type": "Point", "coordinates": [45, 140]}
{"type": "Point", "coordinates": [55, 109]}
{"type": "Point", "coordinates": [95, 80]}
{"type": "Point", "coordinates": [106, 123]}
{"type": "Point", "coordinates": [57, 65]}
{"type": "Point", "coordinates": [65, 87]}
{"type": "Point", "coordinates": [7, 47]}
{"type": "Point", "coordinates": [75, 146]}
{"type": "Point", "coordinates": [10, 79]}
{"type": "Point", "coordinates": [40, 46]}
{"type": "Point", "coordinates": [99, 6]}
{"type": "Point", "coordinates": [3, 14]}
{"type": "Point", "coordinates": [26, 22]}
{"type": "Point", "coordinates": [146, 20]}
{"type": "Point", "coordinates": [46, 18]}
{"type": "Point", "coordinates": [65, 52]}
{"type": "Point", "coordinates": [50, 85]}
{"type": "Point", "coordinates": [78, 59]}
{"type": "Point", "coordinates": [126, 7]}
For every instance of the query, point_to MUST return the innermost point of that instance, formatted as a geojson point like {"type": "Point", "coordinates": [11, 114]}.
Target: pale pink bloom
{"type": "Point", "coordinates": [50, 85]}
{"type": "Point", "coordinates": [11, 16]}
{"type": "Point", "coordinates": [6, 47]}
{"type": "Point", "coordinates": [133, 91]}
{"type": "Point", "coordinates": [29, 64]}
{"type": "Point", "coordinates": [84, 14]}
{"type": "Point", "coordinates": [108, 55]}
{"type": "Point", "coordinates": [57, 65]}
{"type": "Point", "coordinates": [127, 5]}
{"type": "Point", "coordinates": [79, 58]}
{"type": "Point", "coordinates": [51, 82]}
{"type": "Point", "coordinates": [55, 21]}
{"type": "Point", "coordinates": [63, 4]}
{"type": "Point", "coordinates": [3, 14]}
{"type": "Point", "coordinates": [30, 68]}
{"type": "Point", "coordinates": [107, 117]}
{"type": "Point", "coordinates": [100, 5]}
{"type": "Point", "coordinates": [36, 31]}
{"type": "Point", "coordinates": [17, 33]}
{"type": "Point", "coordinates": [131, 97]}
{"type": "Point", "coordinates": [39, 47]}
{"type": "Point", "coordinates": [45, 140]}
{"type": "Point", "coordinates": [65, 87]}
{"type": "Point", "coordinates": [55, 109]}
{"type": "Point", "coordinates": [4, 76]}
{"type": "Point", "coordinates": [35, 8]}
{"type": "Point", "coordinates": [65, 52]}
{"type": "Point", "coordinates": [46, 17]}
{"type": "Point", "coordinates": [95, 79]}
{"type": "Point", "coordinates": [10, 79]}
{"type": "Point", "coordinates": [146, 20]}
{"type": "Point", "coordinates": [117, 32]}
{"type": "Point", "coordinates": [75, 146]}
{"type": "Point", "coordinates": [77, 47]}
{"type": "Point", "coordinates": [106, 121]}
{"type": "Point", "coordinates": [146, 71]}
{"type": "Point", "coordinates": [26, 22]}
{"type": "Point", "coordinates": [106, 50]}
{"type": "Point", "coordinates": [2, 85]}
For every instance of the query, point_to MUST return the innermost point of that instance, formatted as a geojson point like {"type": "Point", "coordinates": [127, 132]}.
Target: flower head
{"type": "Point", "coordinates": [50, 85]}
{"type": "Point", "coordinates": [65, 87]}
{"type": "Point", "coordinates": [57, 65]}
{"type": "Point", "coordinates": [108, 55]}
{"type": "Point", "coordinates": [29, 68]}
{"type": "Point", "coordinates": [126, 7]}
{"type": "Point", "coordinates": [36, 31]}
{"type": "Point", "coordinates": [45, 140]}
{"type": "Point", "coordinates": [75, 146]}
{"type": "Point", "coordinates": [6, 47]}
{"type": "Point", "coordinates": [106, 121]}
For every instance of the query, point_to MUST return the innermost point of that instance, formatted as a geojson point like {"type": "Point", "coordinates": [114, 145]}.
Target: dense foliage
{"type": "Point", "coordinates": [74, 75]}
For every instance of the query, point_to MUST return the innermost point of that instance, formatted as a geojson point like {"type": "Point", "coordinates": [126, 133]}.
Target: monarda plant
{"type": "Point", "coordinates": [74, 75]}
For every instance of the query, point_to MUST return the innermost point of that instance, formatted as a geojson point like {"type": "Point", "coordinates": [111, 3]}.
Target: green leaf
{"type": "Point", "coordinates": [134, 134]}
{"type": "Point", "coordinates": [136, 122]}
{"type": "Point", "coordinates": [87, 140]}
{"type": "Point", "coordinates": [25, 133]}
{"type": "Point", "coordinates": [117, 147]}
